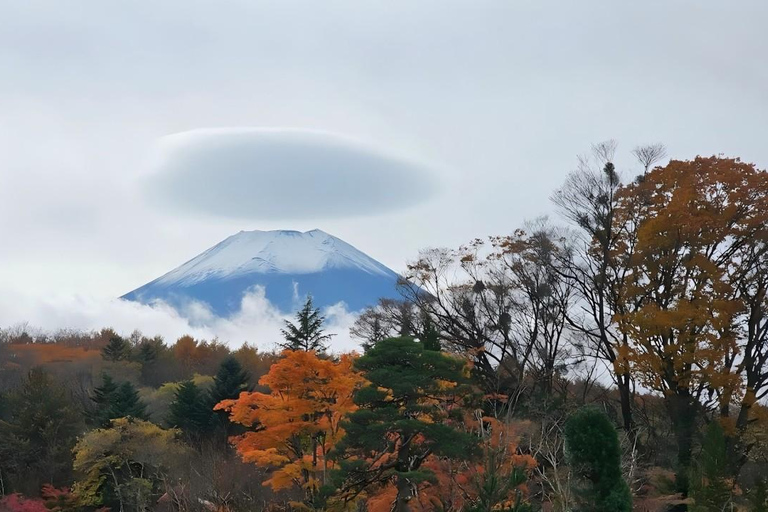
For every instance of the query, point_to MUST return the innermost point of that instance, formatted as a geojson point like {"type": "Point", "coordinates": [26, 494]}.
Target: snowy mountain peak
{"type": "Point", "coordinates": [285, 262]}
{"type": "Point", "coordinates": [280, 251]}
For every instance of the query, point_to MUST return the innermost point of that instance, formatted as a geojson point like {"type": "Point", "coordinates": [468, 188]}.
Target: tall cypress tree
{"type": "Point", "coordinates": [307, 333]}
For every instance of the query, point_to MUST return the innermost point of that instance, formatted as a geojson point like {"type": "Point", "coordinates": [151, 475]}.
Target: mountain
{"type": "Point", "coordinates": [288, 264]}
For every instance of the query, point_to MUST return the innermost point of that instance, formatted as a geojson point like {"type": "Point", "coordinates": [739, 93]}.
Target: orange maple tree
{"type": "Point", "coordinates": [295, 425]}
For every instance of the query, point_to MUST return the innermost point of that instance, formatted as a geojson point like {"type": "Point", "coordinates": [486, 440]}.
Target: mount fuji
{"type": "Point", "coordinates": [287, 264]}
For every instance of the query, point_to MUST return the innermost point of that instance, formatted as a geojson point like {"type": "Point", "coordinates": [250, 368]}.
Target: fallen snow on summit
{"type": "Point", "coordinates": [273, 252]}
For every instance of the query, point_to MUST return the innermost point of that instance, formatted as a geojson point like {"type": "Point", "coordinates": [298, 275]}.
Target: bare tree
{"type": "Point", "coordinates": [589, 199]}
{"type": "Point", "coordinates": [501, 304]}
{"type": "Point", "coordinates": [649, 155]}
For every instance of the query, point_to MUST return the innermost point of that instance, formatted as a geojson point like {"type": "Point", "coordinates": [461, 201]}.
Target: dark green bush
{"type": "Point", "coordinates": [594, 454]}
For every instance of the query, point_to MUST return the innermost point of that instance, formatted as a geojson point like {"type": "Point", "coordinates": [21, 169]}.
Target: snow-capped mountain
{"type": "Point", "coordinates": [288, 264]}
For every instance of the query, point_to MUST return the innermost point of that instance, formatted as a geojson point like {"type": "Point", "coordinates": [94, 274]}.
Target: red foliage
{"type": "Point", "coordinates": [18, 503]}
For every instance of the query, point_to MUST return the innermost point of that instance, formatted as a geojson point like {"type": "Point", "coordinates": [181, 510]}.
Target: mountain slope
{"type": "Point", "coordinates": [288, 264]}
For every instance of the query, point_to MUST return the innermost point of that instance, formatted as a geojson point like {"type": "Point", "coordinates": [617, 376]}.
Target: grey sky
{"type": "Point", "coordinates": [497, 97]}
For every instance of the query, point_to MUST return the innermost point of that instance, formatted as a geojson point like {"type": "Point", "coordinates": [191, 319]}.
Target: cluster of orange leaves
{"type": "Point", "coordinates": [297, 423]}
{"type": "Point", "coordinates": [455, 482]}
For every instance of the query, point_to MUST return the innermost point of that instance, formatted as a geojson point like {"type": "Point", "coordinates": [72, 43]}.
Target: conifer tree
{"type": "Point", "coordinates": [37, 432]}
{"type": "Point", "coordinates": [307, 333]}
{"type": "Point", "coordinates": [117, 349]}
{"type": "Point", "coordinates": [594, 454]}
{"type": "Point", "coordinates": [710, 488]}
{"type": "Point", "coordinates": [402, 419]}
{"type": "Point", "coordinates": [229, 382]}
{"type": "Point", "coordinates": [190, 410]}
{"type": "Point", "coordinates": [116, 401]}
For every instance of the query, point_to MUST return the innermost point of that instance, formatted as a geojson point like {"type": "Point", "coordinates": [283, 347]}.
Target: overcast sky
{"type": "Point", "coordinates": [490, 101]}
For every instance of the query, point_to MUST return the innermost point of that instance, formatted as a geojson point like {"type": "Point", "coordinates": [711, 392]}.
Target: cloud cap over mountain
{"type": "Point", "coordinates": [263, 173]}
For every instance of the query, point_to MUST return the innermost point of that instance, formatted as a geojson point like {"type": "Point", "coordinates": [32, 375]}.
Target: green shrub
{"type": "Point", "coordinates": [594, 455]}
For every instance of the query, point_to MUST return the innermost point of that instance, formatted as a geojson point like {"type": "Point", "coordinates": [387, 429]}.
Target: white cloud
{"type": "Point", "coordinates": [257, 323]}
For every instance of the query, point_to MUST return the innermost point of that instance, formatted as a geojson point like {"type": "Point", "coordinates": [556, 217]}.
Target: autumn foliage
{"type": "Point", "coordinates": [296, 424]}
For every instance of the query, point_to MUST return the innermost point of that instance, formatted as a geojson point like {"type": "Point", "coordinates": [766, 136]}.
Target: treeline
{"type": "Point", "coordinates": [615, 359]}
{"type": "Point", "coordinates": [656, 284]}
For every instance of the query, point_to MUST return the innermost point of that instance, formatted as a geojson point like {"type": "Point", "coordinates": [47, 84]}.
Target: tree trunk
{"type": "Point", "coordinates": [404, 495]}
{"type": "Point", "coordinates": [683, 412]}
{"type": "Point", "coordinates": [625, 396]}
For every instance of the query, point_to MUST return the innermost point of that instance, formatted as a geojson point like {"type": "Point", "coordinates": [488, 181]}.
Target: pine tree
{"type": "Point", "coordinates": [710, 488]}
{"type": "Point", "coordinates": [594, 454]}
{"type": "Point", "coordinates": [190, 410]}
{"type": "Point", "coordinates": [116, 401]}
{"type": "Point", "coordinates": [117, 349]}
{"type": "Point", "coordinates": [147, 352]}
{"type": "Point", "coordinates": [37, 433]}
{"type": "Point", "coordinates": [307, 334]}
{"type": "Point", "coordinates": [127, 403]}
{"type": "Point", "coordinates": [229, 382]}
{"type": "Point", "coordinates": [402, 418]}
{"type": "Point", "coordinates": [431, 338]}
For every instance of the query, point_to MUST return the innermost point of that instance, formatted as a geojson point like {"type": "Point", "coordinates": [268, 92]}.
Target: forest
{"type": "Point", "coordinates": [612, 357]}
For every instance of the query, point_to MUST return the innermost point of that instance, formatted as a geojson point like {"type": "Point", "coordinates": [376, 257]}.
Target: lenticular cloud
{"type": "Point", "coordinates": [257, 173]}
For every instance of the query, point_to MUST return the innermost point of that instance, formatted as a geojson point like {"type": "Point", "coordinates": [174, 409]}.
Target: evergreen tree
{"type": "Point", "coordinates": [37, 432]}
{"type": "Point", "coordinates": [102, 398]}
{"type": "Point", "coordinates": [113, 401]}
{"type": "Point", "coordinates": [594, 454]}
{"type": "Point", "coordinates": [307, 333]}
{"type": "Point", "coordinates": [148, 354]}
{"type": "Point", "coordinates": [229, 382]}
{"type": "Point", "coordinates": [117, 349]}
{"type": "Point", "coordinates": [402, 418]}
{"type": "Point", "coordinates": [431, 338]}
{"type": "Point", "coordinates": [190, 411]}
{"type": "Point", "coordinates": [709, 483]}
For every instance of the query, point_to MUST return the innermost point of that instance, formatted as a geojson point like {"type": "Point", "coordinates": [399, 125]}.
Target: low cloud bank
{"type": "Point", "coordinates": [257, 323]}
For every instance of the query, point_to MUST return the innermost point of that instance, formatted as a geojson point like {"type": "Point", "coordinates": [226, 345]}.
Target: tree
{"type": "Point", "coordinates": [502, 306]}
{"type": "Point", "coordinates": [117, 349]}
{"type": "Point", "coordinates": [229, 382]}
{"type": "Point", "coordinates": [191, 411]}
{"type": "Point", "coordinates": [403, 419]}
{"type": "Point", "coordinates": [694, 304]}
{"type": "Point", "coordinates": [294, 426]}
{"type": "Point", "coordinates": [122, 467]}
{"type": "Point", "coordinates": [148, 355]}
{"type": "Point", "coordinates": [594, 454]}
{"type": "Point", "coordinates": [37, 434]}
{"type": "Point", "coordinates": [497, 483]}
{"type": "Point", "coordinates": [114, 400]}
{"type": "Point", "coordinates": [710, 486]}
{"type": "Point", "coordinates": [307, 333]}
{"type": "Point", "coordinates": [595, 263]}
